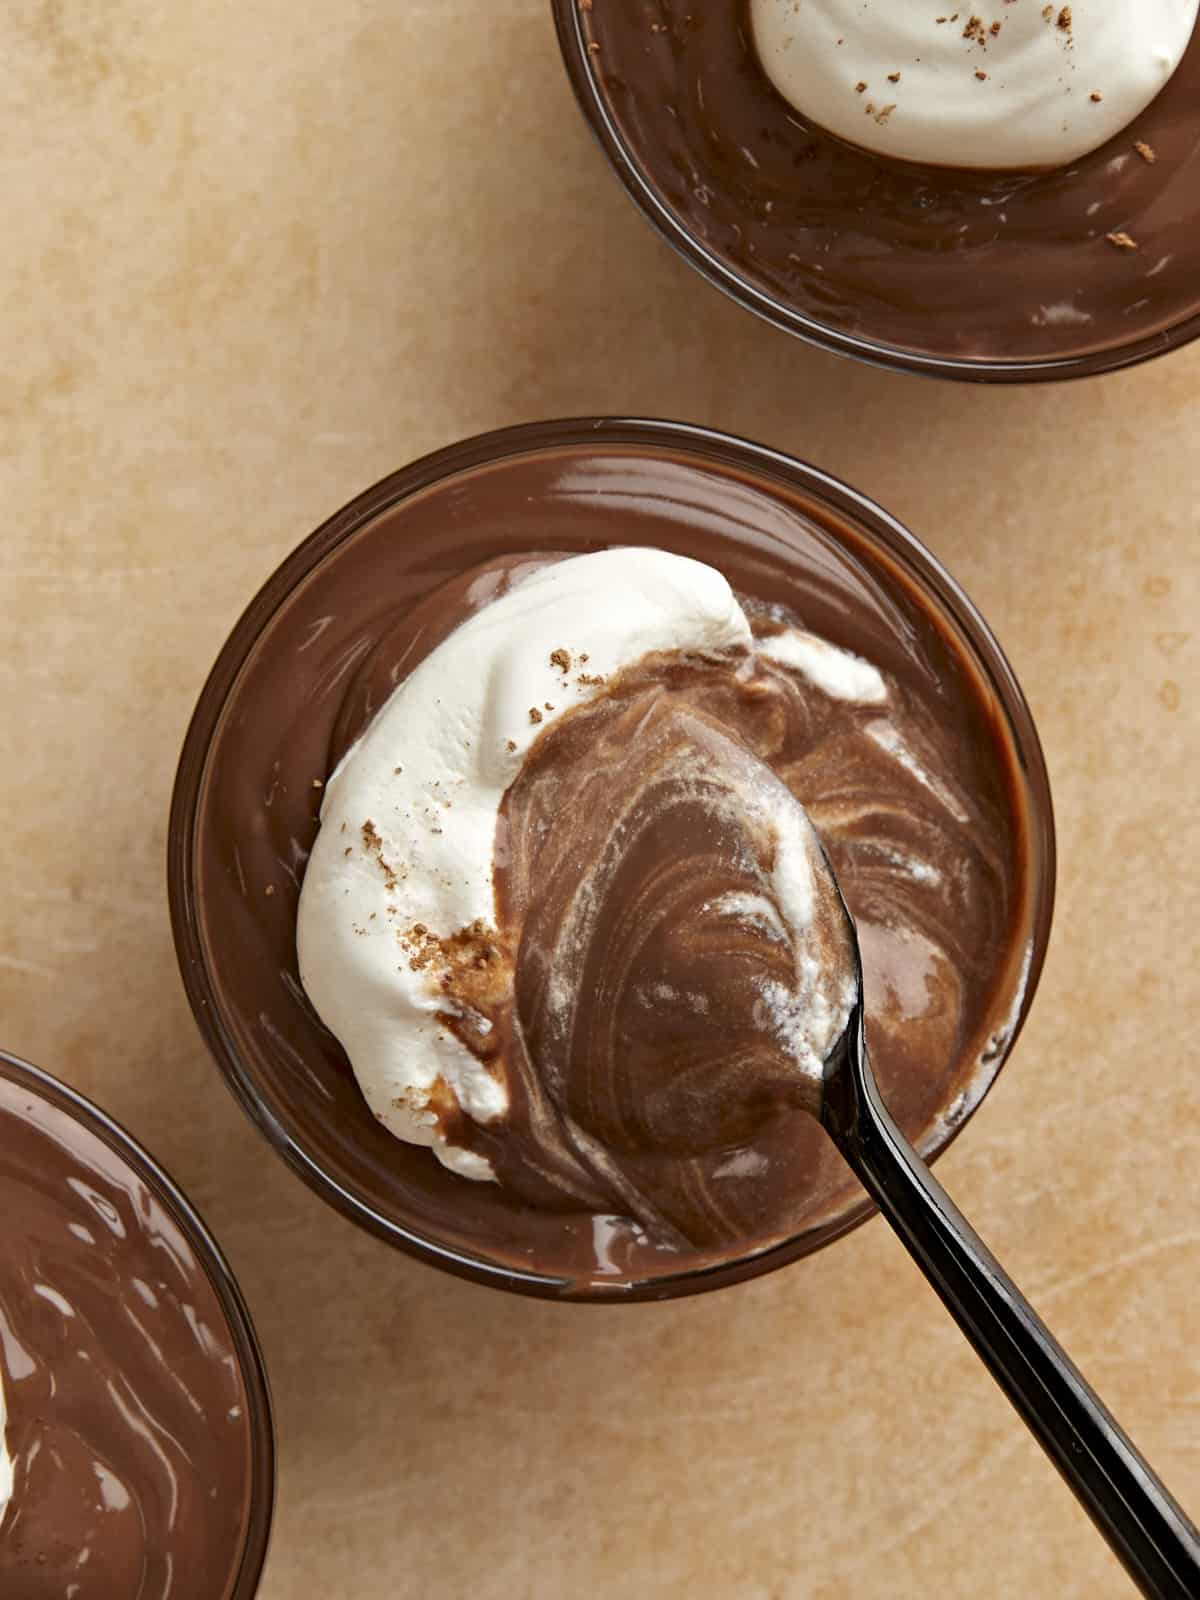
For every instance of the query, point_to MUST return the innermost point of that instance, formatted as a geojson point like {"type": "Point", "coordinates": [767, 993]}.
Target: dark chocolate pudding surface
{"type": "Point", "coordinates": [929, 261]}
{"type": "Point", "coordinates": [322, 660]}
{"type": "Point", "coordinates": [129, 1425]}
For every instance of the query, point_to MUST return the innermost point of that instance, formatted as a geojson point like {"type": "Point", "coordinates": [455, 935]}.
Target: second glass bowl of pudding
{"type": "Point", "coordinates": [135, 1416]}
{"type": "Point", "coordinates": [331, 633]}
{"type": "Point", "coordinates": [984, 276]}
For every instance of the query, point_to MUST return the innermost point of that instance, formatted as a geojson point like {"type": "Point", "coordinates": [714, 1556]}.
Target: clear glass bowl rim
{"type": "Point", "coordinates": [758, 462]}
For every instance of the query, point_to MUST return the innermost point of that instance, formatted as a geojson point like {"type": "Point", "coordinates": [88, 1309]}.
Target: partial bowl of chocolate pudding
{"type": "Point", "coordinates": [1005, 196]}
{"type": "Point", "coordinates": [137, 1450]}
{"type": "Point", "coordinates": [493, 838]}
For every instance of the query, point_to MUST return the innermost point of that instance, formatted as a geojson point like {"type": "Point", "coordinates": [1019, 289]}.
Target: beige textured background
{"type": "Point", "coordinates": [255, 254]}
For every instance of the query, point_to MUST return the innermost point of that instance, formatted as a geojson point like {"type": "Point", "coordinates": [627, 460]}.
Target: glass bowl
{"type": "Point", "coordinates": [987, 277]}
{"type": "Point", "coordinates": [164, 1192]}
{"type": "Point", "coordinates": [321, 612]}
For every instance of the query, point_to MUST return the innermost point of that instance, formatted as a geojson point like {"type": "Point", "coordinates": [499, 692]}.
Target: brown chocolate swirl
{"type": "Point", "coordinates": [636, 990]}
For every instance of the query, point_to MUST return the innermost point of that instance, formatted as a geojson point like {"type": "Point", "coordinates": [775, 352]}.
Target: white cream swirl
{"type": "Point", "coordinates": [1016, 85]}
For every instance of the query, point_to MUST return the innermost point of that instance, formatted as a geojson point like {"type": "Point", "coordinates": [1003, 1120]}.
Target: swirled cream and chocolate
{"type": "Point", "coordinates": [125, 1460]}
{"type": "Point", "coordinates": [567, 912]}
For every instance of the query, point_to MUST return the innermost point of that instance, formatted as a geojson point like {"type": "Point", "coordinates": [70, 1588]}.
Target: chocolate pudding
{"type": "Point", "coordinates": [632, 976]}
{"type": "Point", "coordinates": [856, 249]}
{"type": "Point", "coordinates": [927, 822]}
{"type": "Point", "coordinates": [129, 1426]}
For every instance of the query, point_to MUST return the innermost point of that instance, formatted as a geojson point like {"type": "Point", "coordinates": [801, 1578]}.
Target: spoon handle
{"type": "Point", "coordinates": [1148, 1532]}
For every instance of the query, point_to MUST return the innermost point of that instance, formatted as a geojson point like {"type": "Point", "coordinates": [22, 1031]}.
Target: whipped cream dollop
{"type": "Point", "coordinates": [398, 917]}
{"type": "Point", "coordinates": [1015, 84]}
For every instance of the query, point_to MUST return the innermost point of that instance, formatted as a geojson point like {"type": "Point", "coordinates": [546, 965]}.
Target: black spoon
{"type": "Point", "coordinates": [1148, 1532]}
